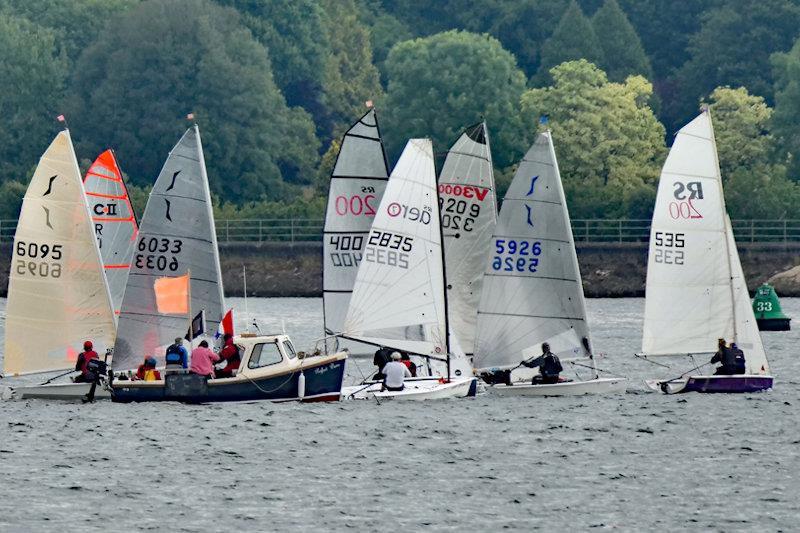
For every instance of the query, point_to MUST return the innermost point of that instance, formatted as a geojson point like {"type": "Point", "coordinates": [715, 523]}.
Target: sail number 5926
{"type": "Point", "coordinates": [520, 256]}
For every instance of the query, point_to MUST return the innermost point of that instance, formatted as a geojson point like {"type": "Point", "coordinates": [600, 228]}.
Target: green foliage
{"type": "Point", "coordinates": [573, 38]}
{"type": "Point", "coordinates": [440, 84]}
{"type": "Point", "coordinates": [623, 54]}
{"type": "Point", "coordinates": [11, 194]}
{"type": "Point", "coordinates": [32, 75]}
{"type": "Point", "coordinates": [313, 207]}
{"type": "Point", "coordinates": [386, 30]}
{"type": "Point", "coordinates": [168, 57]}
{"type": "Point", "coordinates": [350, 78]}
{"type": "Point", "coordinates": [733, 48]}
{"type": "Point", "coordinates": [293, 33]}
{"type": "Point", "coordinates": [609, 144]}
{"type": "Point", "coordinates": [787, 106]}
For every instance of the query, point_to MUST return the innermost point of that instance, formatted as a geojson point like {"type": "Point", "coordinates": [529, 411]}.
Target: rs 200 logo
{"type": "Point", "coordinates": [684, 205]}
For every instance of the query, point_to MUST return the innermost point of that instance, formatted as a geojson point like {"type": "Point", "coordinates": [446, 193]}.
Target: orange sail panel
{"type": "Point", "coordinates": [114, 221]}
{"type": "Point", "coordinates": [172, 295]}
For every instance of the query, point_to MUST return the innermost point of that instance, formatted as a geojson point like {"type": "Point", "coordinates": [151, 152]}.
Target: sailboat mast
{"type": "Point", "coordinates": [444, 278]}
{"type": "Point", "coordinates": [728, 227]}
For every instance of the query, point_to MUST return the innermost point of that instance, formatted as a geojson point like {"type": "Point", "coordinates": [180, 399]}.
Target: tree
{"type": "Point", "coordinates": [440, 84]}
{"type": "Point", "coordinates": [573, 38]}
{"type": "Point", "coordinates": [755, 187]}
{"type": "Point", "coordinates": [349, 76]}
{"type": "Point", "coordinates": [623, 54]}
{"type": "Point", "coordinates": [609, 144]}
{"type": "Point", "coordinates": [787, 106]}
{"type": "Point", "coordinates": [733, 48]}
{"type": "Point", "coordinates": [385, 30]}
{"type": "Point", "coordinates": [32, 75]}
{"type": "Point", "coordinates": [168, 57]}
{"type": "Point", "coordinates": [293, 33]}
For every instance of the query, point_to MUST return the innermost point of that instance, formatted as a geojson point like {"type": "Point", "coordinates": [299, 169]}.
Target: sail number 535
{"type": "Point", "coordinates": [668, 247]}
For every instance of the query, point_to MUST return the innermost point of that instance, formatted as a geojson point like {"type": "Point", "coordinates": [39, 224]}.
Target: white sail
{"type": "Point", "coordinates": [398, 298]}
{"type": "Point", "coordinates": [176, 236]}
{"type": "Point", "coordinates": [57, 292]}
{"type": "Point", "coordinates": [469, 213]}
{"type": "Point", "coordinates": [114, 221]}
{"type": "Point", "coordinates": [357, 184]}
{"type": "Point", "coordinates": [532, 292]}
{"type": "Point", "coordinates": [696, 292]}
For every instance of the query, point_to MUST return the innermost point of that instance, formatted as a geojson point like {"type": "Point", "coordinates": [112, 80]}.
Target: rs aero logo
{"type": "Point", "coordinates": [686, 197]}
{"type": "Point", "coordinates": [414, 214]}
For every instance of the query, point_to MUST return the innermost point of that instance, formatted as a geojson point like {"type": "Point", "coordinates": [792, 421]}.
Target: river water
{"type": "Point", "coordinates": [625, 462]}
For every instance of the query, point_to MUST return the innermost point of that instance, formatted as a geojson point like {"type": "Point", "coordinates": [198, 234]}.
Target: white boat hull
{"type": "Point", "coordinates": [60, 391]}
{"type": "Point", "coordinates": [567, 388]}
{"type": "Point", "coordinates": [415, 390]}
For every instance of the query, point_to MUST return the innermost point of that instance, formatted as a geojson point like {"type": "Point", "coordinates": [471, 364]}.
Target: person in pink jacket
{"type": "Point", "coordinates": [203, 360]}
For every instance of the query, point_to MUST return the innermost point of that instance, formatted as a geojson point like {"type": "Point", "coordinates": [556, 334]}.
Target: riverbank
{"type": "Point", "coordinates": [609, 269]}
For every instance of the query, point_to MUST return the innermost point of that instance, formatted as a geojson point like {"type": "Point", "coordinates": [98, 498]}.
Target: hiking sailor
{"type": "Point", "coordinates": [395, 373]}
{"type": "Point", "coordinates": [727, 357]}
{"type": "Point", "coordinates": [549, 366]}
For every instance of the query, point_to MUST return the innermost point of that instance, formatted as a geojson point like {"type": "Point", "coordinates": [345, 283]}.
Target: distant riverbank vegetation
{"type": "Point", "coordinates": [274, 83]}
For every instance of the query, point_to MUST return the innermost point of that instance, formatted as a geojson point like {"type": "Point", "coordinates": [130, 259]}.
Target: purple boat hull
{"type": "Point", "coordinates": [728, 384]}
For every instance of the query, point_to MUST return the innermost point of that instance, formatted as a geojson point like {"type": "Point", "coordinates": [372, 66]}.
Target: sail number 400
{"type": "Point", "coordinates": [35, 265]}
{"type": "Point", "coordinates": [665, 247]}
{"type": "Point", "coordinates": [525, 255]}
{"type": "Point", "coordinates": [156, 260]}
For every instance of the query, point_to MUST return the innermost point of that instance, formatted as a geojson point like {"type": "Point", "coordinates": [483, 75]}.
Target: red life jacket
{"type": "Point", "coordinates": [91, 354]}
{"type": "Point", "coordinates": [230, 353]}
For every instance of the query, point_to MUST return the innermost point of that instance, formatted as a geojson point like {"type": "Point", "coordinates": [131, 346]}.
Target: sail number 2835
{"type": "Point", "coordinates": [38, 259]}
{"type": "Point", "coordinates": [669, 247]}
{"type": "Point", "coordinates": [160, 256]}
{"type": "Point", "coordinates": [388, 249]}
{"type": "Point", "coordinates": [516, 256]}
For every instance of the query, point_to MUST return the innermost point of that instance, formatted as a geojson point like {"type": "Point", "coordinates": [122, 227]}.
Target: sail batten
{"type": "Point", "coordinates": [176, 237]}
{"type": "Point", "coordinates": [357, 184]}
{"type": "Point", "coordinates": [532, 291]}
{"type": "Point", "coordinates": [58, 296]}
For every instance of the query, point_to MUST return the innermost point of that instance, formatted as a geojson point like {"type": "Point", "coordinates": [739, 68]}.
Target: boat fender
{"type": "Point", "coordinates": [301, 385]}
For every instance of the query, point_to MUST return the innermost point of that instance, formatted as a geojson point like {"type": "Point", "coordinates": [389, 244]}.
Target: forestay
{"type": "Point", "coordinates": [57, 292]}
{"type": "Point", "coordinates": [176, 236]}
{"type": "Point", "coordinates": [469, 213]}
{"type": "Point", "coordinates": [532, 292]}
{"type": "Point", "coordinates": [696, 291]}
{"type": "Point", "coordinates": [357, 184]}
{"type": "Point", "coordinates": [398, 298]}
{"type": "Point", "coordinates": [114, 221]}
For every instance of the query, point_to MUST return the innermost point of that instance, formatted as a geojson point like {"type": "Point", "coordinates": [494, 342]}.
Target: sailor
{"type": "Point", "coordinates": [406, 360]}
{"type": "Point", "coordinates": [176, 355]}
{"type": "Point", "coordinates": [203, 360]}
{"type": "Point", "coordinates": [147, 370]}
{"type": "Point", "coordinates": [83, 359]}
{"type": "Point", "coordinates": [549, 366]}
{"type": "Point", "coordinates": [725, 356]}
{"type": "Point", "coordinates": [230, 354]}
{"type": "Point", "coordinates": [382, 356]}
{"type": "Point", "coordinates": [395, 373]}
{"type": "Point", "coordinates": [738, 359]}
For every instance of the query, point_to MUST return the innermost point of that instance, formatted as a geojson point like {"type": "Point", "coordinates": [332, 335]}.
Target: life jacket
{"type": "Point", "coordinates": [152, 374]}
{"type": "Point", "coordinates": [174, 355]}
{"type": "Point", "coordinates": [87, 355]}
{"type": "Point", "coordinates": [551, 366]}
{"type": "Point", "coordinates": [230, 353]}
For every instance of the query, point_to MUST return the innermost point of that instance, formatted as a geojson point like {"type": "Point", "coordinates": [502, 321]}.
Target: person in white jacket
{"type": "Point", "coordinates": [395, 374]}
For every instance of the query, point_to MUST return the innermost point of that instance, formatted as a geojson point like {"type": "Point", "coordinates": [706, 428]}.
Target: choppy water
{"type": "Point", "coordinates": [626, 462]}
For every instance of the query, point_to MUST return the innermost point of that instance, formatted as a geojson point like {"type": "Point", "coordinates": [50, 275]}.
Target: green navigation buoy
{"type": "Point", "coordinates": [767, 309]}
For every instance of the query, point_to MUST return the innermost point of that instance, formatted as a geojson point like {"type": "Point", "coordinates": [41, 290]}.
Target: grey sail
{"type": "Point", "coordinates": [469, 214]}
{"type": "Point", "coordinates": [176, 236]}
{"type": "Point", "coordinates": [532, 292]}
{"type": "Point", "coordinates": [357, 184]}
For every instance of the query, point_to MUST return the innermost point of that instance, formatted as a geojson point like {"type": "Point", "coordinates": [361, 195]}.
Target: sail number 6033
{"type": "Point", "coordinates": [157, 258]}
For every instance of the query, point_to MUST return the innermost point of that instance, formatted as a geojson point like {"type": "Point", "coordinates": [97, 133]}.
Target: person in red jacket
{"type": "Point", "coordinates": [83, 359]}
{"type": "Point", "coordinates": [147, 370]}
{"type": "Point", "coordinates": [229, 353]}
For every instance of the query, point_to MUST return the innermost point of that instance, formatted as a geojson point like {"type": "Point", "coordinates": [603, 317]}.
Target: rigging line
{"type": "Point", "coordinates": [644, 358]}
{"type": "Point", "coordinates": [598, 369]}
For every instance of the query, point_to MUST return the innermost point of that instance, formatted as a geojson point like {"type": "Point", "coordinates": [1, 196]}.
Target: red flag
{"type": "Point", "coordinates": [227, 323]}
{"type": "Point", "coordinates": [368, 103]}
{"type": "Point", "coordinates": [60, 118]}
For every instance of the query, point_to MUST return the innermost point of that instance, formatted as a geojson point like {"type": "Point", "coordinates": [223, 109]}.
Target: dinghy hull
{"type": "Point", "coordinates": [566, 388]}
{"type": "Point", "coordinates": [773, 324]}
{"type": "Point", "coordinates": [714, 384]}
{"type": "Point", "coordinates": [61, 391]}
{"type": "Point", "coordinates": [322, 382]}
{"type": "Point", "coordinates": [415, 390]}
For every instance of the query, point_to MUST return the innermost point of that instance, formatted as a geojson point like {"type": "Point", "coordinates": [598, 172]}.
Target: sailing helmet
{"type": "Point", "coordinates": [87, 345]}
{"type": "Point", "coordinates": [150, 361]}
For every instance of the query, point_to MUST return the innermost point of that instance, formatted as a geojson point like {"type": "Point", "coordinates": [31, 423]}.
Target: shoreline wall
{"type": "Point", "coordinates": [609, 270]}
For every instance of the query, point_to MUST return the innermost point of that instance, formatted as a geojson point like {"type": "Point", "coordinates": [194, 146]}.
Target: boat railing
{"type": "Point", "coordinates": [599, 230]}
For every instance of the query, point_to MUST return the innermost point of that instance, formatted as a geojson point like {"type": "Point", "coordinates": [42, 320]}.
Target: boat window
{"type": "Point", "coordinates": [289, 349]}
{"type": "Point", "coordinates": [264, 354]}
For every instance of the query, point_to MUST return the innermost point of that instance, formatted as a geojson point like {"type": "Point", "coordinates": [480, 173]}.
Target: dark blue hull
{"type": "Point", "coordinates": [322, 383]}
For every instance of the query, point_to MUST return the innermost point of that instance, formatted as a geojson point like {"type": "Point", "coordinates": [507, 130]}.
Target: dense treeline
{"type": "Point", "coordinates": [274, 83]}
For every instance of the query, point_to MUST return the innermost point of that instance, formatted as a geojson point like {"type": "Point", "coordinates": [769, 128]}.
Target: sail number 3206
{"type": "Point", "coordinates": [38, 260]}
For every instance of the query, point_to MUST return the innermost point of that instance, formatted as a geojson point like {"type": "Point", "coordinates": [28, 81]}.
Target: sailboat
{"type": "Point", "coordinates": [469, 214]}
{"type": "Point", "coordinates": [357, 184]}
{"type": "Point", "coordinates": [399, 299]}
{"type": "Point", "coordinates": [532, 292]}
{"type": "Point", "coordinates": [114, 221]}
{"type": "Point", "coordinates": [696, 291]}
{"type": "Point", "coordinates": [58, 296]}
{"type": "Point", "coordinates": [177, 240]}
